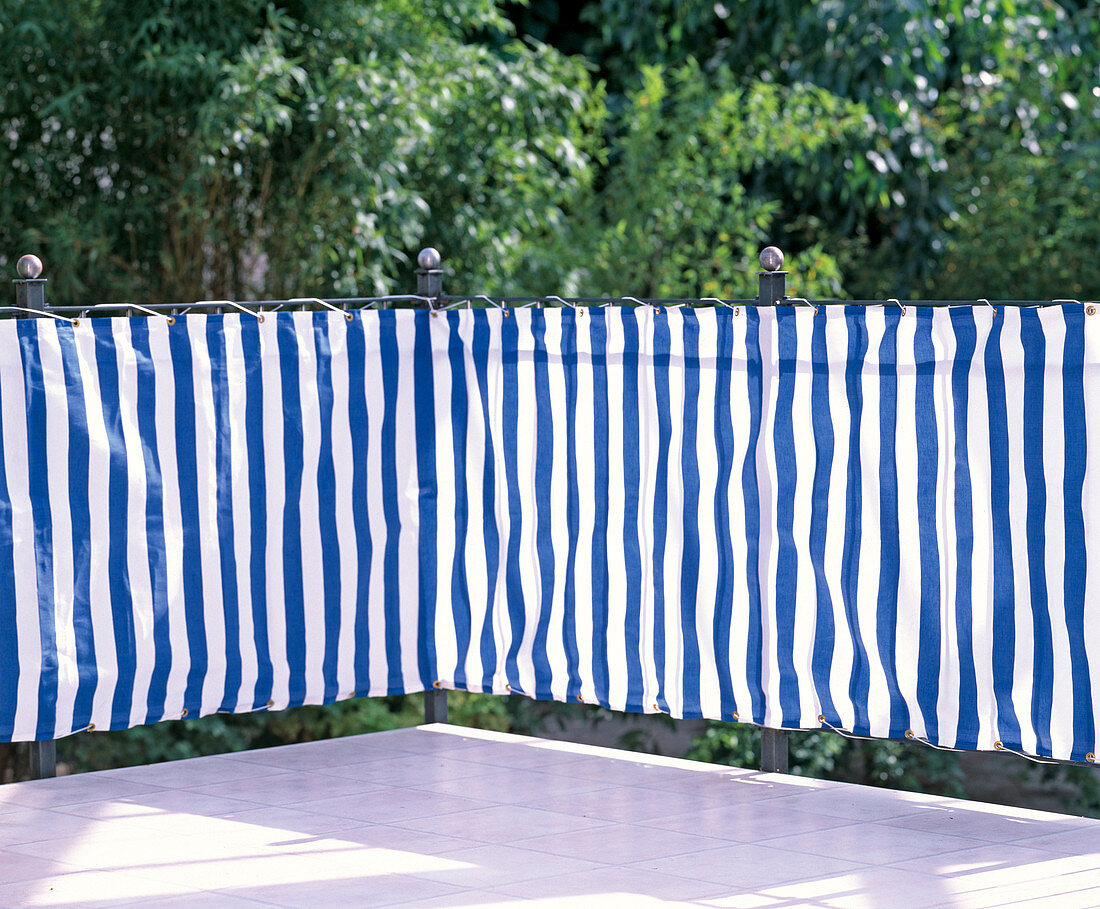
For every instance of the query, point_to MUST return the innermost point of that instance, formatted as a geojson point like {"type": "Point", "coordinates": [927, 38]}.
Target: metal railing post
{"type": "Point", "coordinates": [773, 281]}
{"type": "Point", "coordinates": [429, 277]}
{"type": "Point", "coordinates": [773, 750]}
{"type": "Point", "coordinates": [42, 760]}
{"type": "Point", "coordinates": [30, 289]}
{"type": "Point", "coordinates": [429, 283]}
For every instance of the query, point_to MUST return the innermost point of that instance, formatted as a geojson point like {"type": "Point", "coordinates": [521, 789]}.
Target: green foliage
{"type": "Point", "coordinates": [683, 210]}
{"type": "Point", "coordinates": [274, 149]}
{"type": "Point", "coordinates": [827, 755]}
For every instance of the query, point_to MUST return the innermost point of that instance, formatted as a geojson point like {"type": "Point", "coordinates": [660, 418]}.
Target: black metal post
{"type": "Point", "coordinates": [773, 282]}
{"type": "Point", "coordinates": [42, 760]}
{"type": "Point", "coordinates": [435, 705]}
{"type": "Point", "coordinates": [429, 277]}
{"type": "Point", "coordinates": [429, 283]}
{"type": "Point", "coordinates": [773, 750]}
{"type": "Point", "coordinates": [30, 289]}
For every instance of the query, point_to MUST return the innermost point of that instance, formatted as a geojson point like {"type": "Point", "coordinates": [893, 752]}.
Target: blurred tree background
{"type": "Point", "coordinates": [172, 150]}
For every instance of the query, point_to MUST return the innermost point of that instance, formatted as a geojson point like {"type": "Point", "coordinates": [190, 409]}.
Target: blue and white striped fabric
{"type": "Point", "coordinates": [875, 517]}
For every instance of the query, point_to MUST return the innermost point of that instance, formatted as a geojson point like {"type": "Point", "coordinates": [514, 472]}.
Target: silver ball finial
{"type": "Point", "coordinates": [429, 258]}
{"type": "Point", "coordinates": [771, 259]}
{"type": "Point", "coordinates": [29, 267]}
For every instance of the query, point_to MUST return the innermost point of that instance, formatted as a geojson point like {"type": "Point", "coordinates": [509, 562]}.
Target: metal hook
{"type": "Point", "coordinates": [844, 732]}
{"type": "Point", "coordinates": [325, 303]}
{"type": "Point", "coordinates": [990, 305]}
{"type": "Point", "coordinates": [1000, 746]}
{"type": "Point", "coordinates": [561, 301]}
{"type": "Point", "coordinates": [145, 309]}
{"type": "Point", "coordinates": [42, 312]}
{"type": "Point", "coordinates": [803, 301]}
{"type": "Point", "coordinates": [716, 300]}
{"type": "Point", "coordinates": [633, 300]}
{"type": "Point", "coordinates": [897, 303]}
{"type": "Point", "coordinates": [259, 316]}
{"type": "Point", "coordinates": [489, 300]}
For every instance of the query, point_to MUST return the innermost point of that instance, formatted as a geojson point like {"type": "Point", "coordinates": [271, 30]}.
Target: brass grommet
{"type": "Point", "coordinates": [171, 320]}
{"type": "Point", "coordinates": [260, 317]}
{"type": "Point", "coordinates": [348, 317]}
{"type": "Point", "coordinates": [1090, 757]}
{"type": "Point", "coordinates": [735, 716]}
{"type": "Point", "coordinates": [1090, 310]}
{"type": "Point", "coordinates": [580, 700]}
{"type": "Point", "coordinates": [91, 727]}
{"type": "Point", "coordinates": [507, 687]}
{"type": "Point", "coordinates": [182, 715]}
{"type": "Point", "coordinates": [998, 745]}
{"type": "Point", "coordinates": [270, 703]}
{"type": "Point", "coordinates": [437, 684]}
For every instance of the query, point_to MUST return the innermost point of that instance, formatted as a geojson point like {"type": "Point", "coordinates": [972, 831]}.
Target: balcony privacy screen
{"type": "Point", "coordinates": [884, 518]}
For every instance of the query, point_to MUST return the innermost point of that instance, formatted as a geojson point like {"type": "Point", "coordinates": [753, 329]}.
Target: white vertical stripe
{"type": "Point", "coordinates": [1090, 501]}
{"type": "Point", "coordinates": [870, 550]}
{"type": "Point", "coordinates": [313, 582]}
{"type": "Point", "coordinates": [98, 545]}
{"type": "Point", "coordinates": [237, 369]}
{"type": "Point", "coordinates": [704, 443]}
{"type": "Point", "coordinates": [906, 446]}
{"type": "Point", "coordinates": [344, 506]}
{"type": "Point", "coordinates": [137, 548]}
{"type": "Point", "coordinates": [526, 430]}
{"type": "Point", "coordinates": [16, 471]}
{"type": "Point", "coordinates": [840, 415]}
{"type": "Point", "coordinates": [981, 485]}
{"type": "Point", "coordinates": [584, 465]}
{"type": "Point", "coordinates": [616, 516]}
{"type": "Point", "coordinates": [165, 421]}
{"type": "Point", "coordinates": [741, 421]}
{"type": "Point", "coordinates": [275, 479]}
{"type": "Point", "coordinates": [57, 475]}
{"type": "Point", "coordinates": [559, 528]}
{"type": "Point", "coordinates": [213, 684]}
{"type": "Point", "coordinates": [674, 515]}
{"type": "Point", "coordinates": [379, 531]}
{"type": "Point", "coordinates": [1061, 707]}
{"type": "Point", "coordinates": [502, 634]}
{"type": "Point", "coordinates": [1012, 354]}
{"type": "Point", "coordinates": [447, 480]}
{"type": "Point", "coordinates": [943, 339]}
{"type": "Point", "coordinates": [477, 570]}
{"type": "Point", "coordinates": [805, 606]}
{"type": "Point", "coordinates": [768, 484]}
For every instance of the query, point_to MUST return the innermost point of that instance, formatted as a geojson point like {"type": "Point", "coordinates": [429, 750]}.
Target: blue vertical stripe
{"type": "Point", "coordinates": [424, 407]}
{"type": "Point", "coordinates": [223, 478]}
{"type": "Point", "coordinates": [859, 684]}
{"type": "Point", "coordinates": [631, 479]}
{"type": "Point", "coordinates": [724, 442]}
{"type": "Point", "coordinates": [661, 365]}
{"type": "Point", "coordinates": [889, 532]}
{"type": "Point", "coordinates": [118, 493]}
{"type": "Point", "coordinates": [572, 502]}
{"type": "Point", "coordinates": [294, 467]}
{"type": "Point", "coordinates": [326, 499]}
{"type": "Point", "coordinates": [689, 571]}
{"type": "Point", "coordinates": [1034, 345]}
{"type": "Point", "coordinates": [36, 395]}
{"type": "Point", "coordinates": [10, 669]}
{"type": "Point", "coordinates": [81, 524]}
{"type": "Point", "coordinates": [489, 528]}
{"type": "Point", "coordinates": [391, 506]}
{"type": "Point", "coordinates": [821, 424]}
{"type": "Point", "coordinates": [1073, 486]}
{"type": "Point", "coordinates": [962, 321]}
{"type": "Point", "coordinates": [187, 468]}
{"type": "Point", "coordinates": [460, 588]}
{"type": "Point", "coordinates": [544, 466]}
{"type": "Point", "coordinates": [928, 456]}
{"type": "Point", "coordinates": [257, 501]}
{"type": "Point", "coordinates": [510, 437]}
{"type": "Point", "coordinates": [786, 470]}
{"type": "Point", "coordinates": [154, 520]}
{"type": "Point", "coordinates": [601, 465]}
{"type": "Point", "coordinates": [754, 645]}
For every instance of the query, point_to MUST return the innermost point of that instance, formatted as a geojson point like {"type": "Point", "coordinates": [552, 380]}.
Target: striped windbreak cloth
{"type": "Point", "coordinates": [876, 519]}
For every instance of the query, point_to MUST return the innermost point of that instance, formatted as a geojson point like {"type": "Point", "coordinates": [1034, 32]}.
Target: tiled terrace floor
{"type": "Point", "coordinates": [444, 816]}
